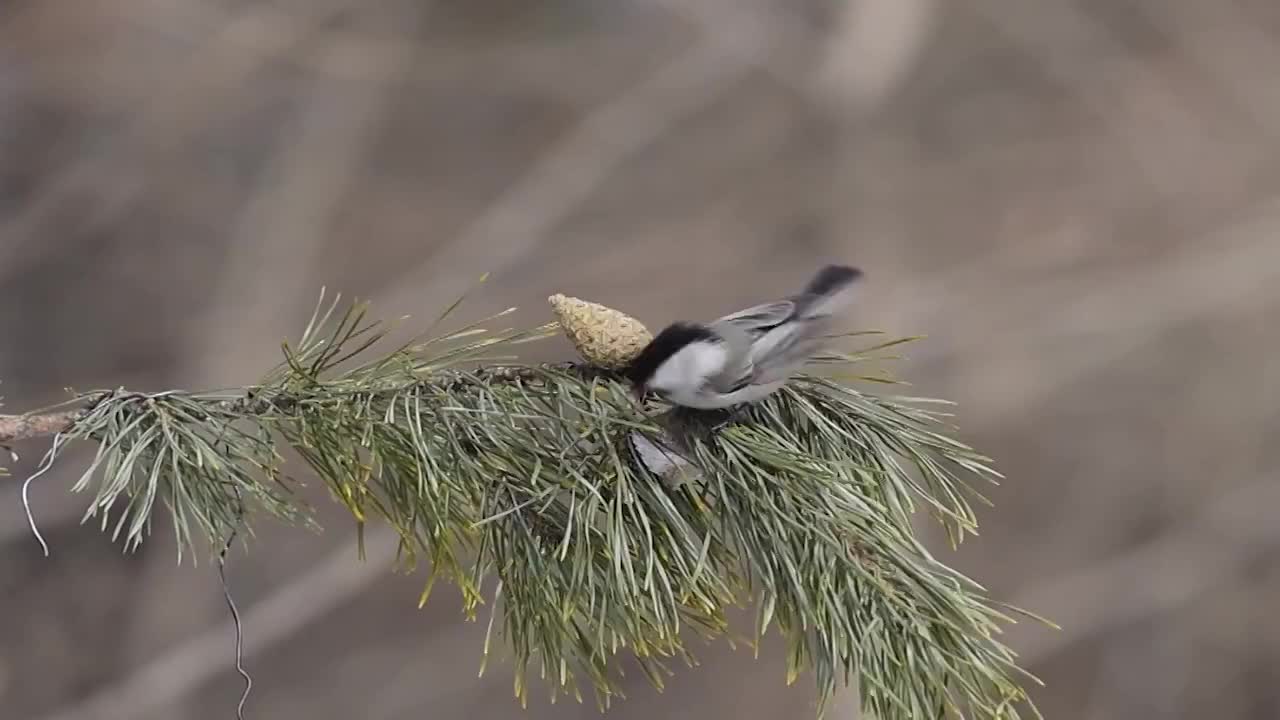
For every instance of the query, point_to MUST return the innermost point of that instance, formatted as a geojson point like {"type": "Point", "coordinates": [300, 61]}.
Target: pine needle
{"type": "Point", "coordinates": [529, 475]}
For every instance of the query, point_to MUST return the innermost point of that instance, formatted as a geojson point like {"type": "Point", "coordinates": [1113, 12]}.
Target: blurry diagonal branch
{"type": "Point", "coordinates": [276, 241]}
{"type": "Point", "coordinates": [564, 176]}
{"type": "Point", "coordinates": [1234, 52]}
{"type": "Point", "coordinates": [873, 46]}
{"type": "Point", "coordinates": [215, 71]}
{"type": "Point", "coordinates": [1158, 576]}
{"type": "Point", "coordinates": [289, 609]}
{"type": "Point", "coordinates": [1077, 50]}
{"type": "Point", "coordinates": [865, 55]}
{"type": "Point", "coordinates": [760, 38]}
{"type": "Point", "coordinates": [1185, 284]}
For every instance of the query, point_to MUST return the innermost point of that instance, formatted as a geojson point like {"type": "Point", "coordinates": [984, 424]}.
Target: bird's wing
{"type": "Point", "coordinates": [736, 370]}
{"type": "Point", "coordinates": [769, 347]}
{"type": "Point", "coordinates": [778, 353]}
{"type": "Point", "coordinates": [760, 318]}
{"type": "Point", "coordinates": [733, 378]}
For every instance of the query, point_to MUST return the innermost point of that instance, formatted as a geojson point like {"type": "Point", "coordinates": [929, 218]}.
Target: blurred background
{"type": "Point", "coordinates": [1078, 201]}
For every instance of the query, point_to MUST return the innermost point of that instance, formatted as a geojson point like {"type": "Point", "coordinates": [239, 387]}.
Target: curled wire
{"type": "Point", "coordinates": [235, 613]}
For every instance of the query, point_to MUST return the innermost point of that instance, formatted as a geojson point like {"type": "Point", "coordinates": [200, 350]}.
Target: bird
{"type": "Point", "coordinates": [743, 357]}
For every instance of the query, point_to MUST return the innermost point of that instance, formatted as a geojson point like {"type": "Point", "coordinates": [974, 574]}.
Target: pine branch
{"type": "Point", "coordinates": [530, 485]}
{"type": "Point", "coordinates": [37, 425]}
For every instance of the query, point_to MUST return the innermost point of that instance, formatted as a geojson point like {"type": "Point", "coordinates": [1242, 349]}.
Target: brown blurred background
{"type": "Point", "coordinates": [1077, 200]}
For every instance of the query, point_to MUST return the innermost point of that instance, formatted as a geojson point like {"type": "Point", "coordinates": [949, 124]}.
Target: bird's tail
{"type": "Point", "coordinates": [830, 291]}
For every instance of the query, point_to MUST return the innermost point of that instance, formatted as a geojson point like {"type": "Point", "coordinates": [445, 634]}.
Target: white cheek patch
{"type": "Point", "coordinates": [691, 366]}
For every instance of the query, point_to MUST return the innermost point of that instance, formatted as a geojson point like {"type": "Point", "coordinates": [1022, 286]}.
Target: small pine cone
{"type": "Point", "coordinates": [604, 337]}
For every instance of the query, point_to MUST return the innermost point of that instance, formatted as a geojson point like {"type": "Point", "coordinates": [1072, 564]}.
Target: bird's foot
{"type": "Point", "coordinates": [734, 413]}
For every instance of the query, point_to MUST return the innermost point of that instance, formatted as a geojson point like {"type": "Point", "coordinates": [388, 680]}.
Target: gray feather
{"type": "Point", "coordinates": [829, 292]}
{"type": "Point", "coordinates": [780, 352]}
{"type": "Point", "coordinates": [771, 341]}
{"type": "Point", "coordinates": [761, 317]}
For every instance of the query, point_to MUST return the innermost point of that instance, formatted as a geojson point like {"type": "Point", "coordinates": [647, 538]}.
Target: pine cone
{"type": "Point", "coordinates": [603, 336]}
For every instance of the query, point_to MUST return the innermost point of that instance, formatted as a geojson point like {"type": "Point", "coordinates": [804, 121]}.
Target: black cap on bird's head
{"type": "Point", "coordinates": [667, 343]}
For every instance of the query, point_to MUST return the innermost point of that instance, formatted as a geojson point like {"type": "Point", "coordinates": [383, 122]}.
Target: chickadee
{"type": "Point", "coordinates": [743, 357]}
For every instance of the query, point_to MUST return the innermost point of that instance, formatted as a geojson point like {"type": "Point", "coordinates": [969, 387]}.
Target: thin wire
{"type": "Point", "coordinates": [235, 613]}
{"type": "Point", "coordinates": [26, 488]}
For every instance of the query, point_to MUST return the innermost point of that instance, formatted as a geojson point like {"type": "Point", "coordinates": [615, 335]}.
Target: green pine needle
{"type": "Point", "coordinates": [522, 485]}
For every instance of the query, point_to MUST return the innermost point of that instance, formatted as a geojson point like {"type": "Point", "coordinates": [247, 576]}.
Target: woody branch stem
{"type": "Point", "coordinates": [27, 427]}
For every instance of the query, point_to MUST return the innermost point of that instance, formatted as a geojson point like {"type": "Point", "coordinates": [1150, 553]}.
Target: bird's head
{"type": "Point", "coordinates": [683, 355]}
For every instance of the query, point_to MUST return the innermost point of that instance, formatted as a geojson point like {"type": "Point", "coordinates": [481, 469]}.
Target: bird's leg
{"type": "Point", "coordinates": [734, 412]}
